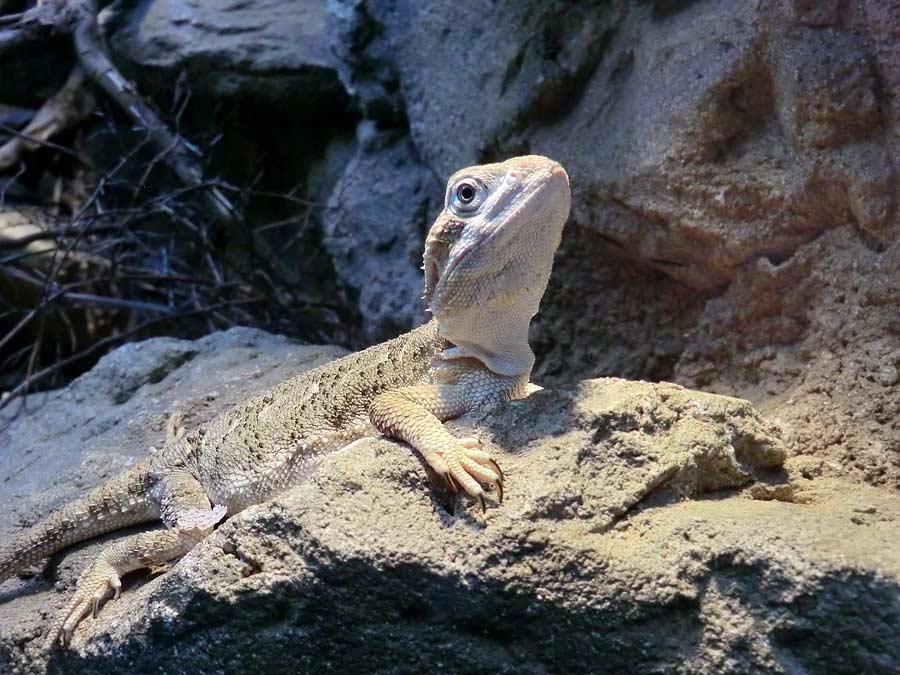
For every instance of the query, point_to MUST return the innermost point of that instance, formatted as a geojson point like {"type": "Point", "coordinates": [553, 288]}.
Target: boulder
{"type": "Point", "coordinates": [734, 223]}
{"type": "Point", "coordinates": [645, 528]}
{"type": "Point", "coordinates": [267, 50]}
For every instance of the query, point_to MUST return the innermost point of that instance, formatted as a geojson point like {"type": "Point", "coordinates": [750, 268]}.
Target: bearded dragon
{"type": "Point", "coordinates": [487, 261]}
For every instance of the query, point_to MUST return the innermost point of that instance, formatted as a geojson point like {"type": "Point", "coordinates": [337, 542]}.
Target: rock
{"type": "Point", "coordinates": [374, 229]}
{"type": "Point", "coordinates": [829, 88]}
{"type": "Point", "coordinates": [645, 528]}
{"type": "Point", "coordinates": [734, 187]}
{"type": "Point", "coordinates": [889, 376]}
{"type": "Point", "coordinates": [524, 66]}
{"type": "Point", "coordinates": [269, 50]}
{"type": "Point", "coordinates": [60, 443]}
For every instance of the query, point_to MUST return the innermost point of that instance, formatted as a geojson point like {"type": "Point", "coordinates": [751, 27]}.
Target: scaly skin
{"type": "Point", "coordinates": [487, 262]}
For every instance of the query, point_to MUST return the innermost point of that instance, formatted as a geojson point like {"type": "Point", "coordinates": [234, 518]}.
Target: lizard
{"type": "Point", "coordinates": [487, 262]}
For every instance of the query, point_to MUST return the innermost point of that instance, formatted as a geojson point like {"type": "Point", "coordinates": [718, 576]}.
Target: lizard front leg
{"type": "Point", "coordinates": [415, 414]}
{"type": "Point", "coordinates": [184, 508]}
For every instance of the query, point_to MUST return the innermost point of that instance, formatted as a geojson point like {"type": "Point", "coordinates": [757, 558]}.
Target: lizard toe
{"type": "Point", "coordinates": [473, 450]}
{"type": "Point", "coordinates": [471, 442]}
{"type": "Point", "coordinates": [436, 462]}
{"type": "Point", "coordinates": [462, 470]}
{"type": "Point", "coordinates": [479, 472]}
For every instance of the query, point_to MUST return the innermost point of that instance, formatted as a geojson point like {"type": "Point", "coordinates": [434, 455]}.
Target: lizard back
{"type": "Point", "coordinates": [266, 444]}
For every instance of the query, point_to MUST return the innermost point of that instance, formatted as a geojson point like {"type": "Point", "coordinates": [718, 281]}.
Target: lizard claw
{"type": "Point", "coordinates": [499, 472]}
{"type": "Point", "coordinates": [498, 486]}
{"type": "Point", "coordinates": [467, 467]}
{"type": "Point", "coordinates": [451, 482]}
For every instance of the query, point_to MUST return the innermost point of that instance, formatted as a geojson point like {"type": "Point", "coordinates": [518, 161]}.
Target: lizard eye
{"type": "Point", "coordinates": [465, 193]}
{"type": "Point", "coordinates": [466, 196]}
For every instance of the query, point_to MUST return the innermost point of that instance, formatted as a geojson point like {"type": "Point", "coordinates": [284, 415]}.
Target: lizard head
{"type": "Point", "coordinates": [488, 257]}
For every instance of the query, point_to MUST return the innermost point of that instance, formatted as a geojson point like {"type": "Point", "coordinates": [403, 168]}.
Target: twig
{"type": "Point", "coordinates": [14, 178]}
{"type": "Point", "coordinates": [34, 140]}
{"type": "Point", "coordinates": [32, 378]}
{"type": "Point", "coordinates": [93, 57]}
{"type": "Point", "coordinates": [87, 299]}
{"type": "Point", "coordinates": [19, 326]}
{"type": "Point", "coordinates": [67, 108]}
{"type": "Point", "coordinates": [12, 18]}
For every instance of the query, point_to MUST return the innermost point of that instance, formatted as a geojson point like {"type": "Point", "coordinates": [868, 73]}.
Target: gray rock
{"type": "Point", "coordinates": [268, 50]}
{"type": "Point", "coordinates": [472, 75]}
{"type": "Point", "coordinates": [888, 376]}
{"type": "Point", "coordinates": [374, 228]}
{"type": "Point", "coordinates": [646, 528]}
{"type": "Point", "coordinates": [62, 442]}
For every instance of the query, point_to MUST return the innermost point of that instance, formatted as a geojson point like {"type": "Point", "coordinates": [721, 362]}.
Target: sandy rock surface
{"type": "Point", "coordinates": [645, 528]}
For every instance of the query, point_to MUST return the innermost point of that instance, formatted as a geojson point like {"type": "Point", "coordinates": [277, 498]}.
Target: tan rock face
{"type": "Point", "coordinates": [646, 528]}
{"type": "Point", "coordinates": [747, 153]}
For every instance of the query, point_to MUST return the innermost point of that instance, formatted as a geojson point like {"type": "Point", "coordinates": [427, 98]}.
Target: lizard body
{"type": "Point", "coordinates": [487, 262]}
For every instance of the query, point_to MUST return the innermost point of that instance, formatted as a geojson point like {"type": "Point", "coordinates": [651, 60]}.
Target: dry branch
{"type": "Point", "coordinates": [177, 153]}
{"type": "Point", "coordinates": [92, 55]}
{"type": "Point", "coordinates": [126, 260]}
{"type": "Point", "coordinates": [42, 374]}
{"type": "Point", "coordinates": [70, 106]}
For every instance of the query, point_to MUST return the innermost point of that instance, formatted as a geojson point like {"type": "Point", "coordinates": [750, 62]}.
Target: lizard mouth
{"type": "Point", "coordinates": [436, 254]}
{"type": "Point", "coordinates": [432, 275]}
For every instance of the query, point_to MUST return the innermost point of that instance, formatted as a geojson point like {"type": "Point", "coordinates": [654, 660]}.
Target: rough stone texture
{"type": "Point", "coordinates": [735, 222]}
{"type": "Point", "coordinates": [373, 229]}
{"type": "Point", "coordinates": [267, 49]}
{"type": "Point", "coordinates": [646, 528]}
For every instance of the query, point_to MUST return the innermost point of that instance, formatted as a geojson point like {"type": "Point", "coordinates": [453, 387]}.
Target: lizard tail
{"type": "Point", "coordinates": [120, 502]}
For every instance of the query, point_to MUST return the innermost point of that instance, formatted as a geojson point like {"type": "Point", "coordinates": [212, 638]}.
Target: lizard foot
{"type": "Point", "coordinates": [475, 453]}
{"type": "Point", "coordinates": [146, 549]}
{"type": "Point", "coordinates": [466, 467]}
{"type": "Point", "coordinates": [93, 587]}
